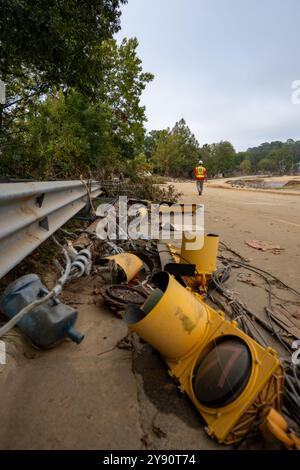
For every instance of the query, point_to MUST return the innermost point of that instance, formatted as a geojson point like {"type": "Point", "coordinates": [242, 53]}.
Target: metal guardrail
{"type": "Point", "coordinates": [31, 212]}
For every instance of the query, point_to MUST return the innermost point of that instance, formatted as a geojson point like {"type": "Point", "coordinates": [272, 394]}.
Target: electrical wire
{"type": "Point", "coordinates": [239, 312]}
{"type": "Point", "coordinates": [268, 309]}
{"type": "Point", "coordinates": [254, 268]}
{"type": "Point", "coordinates": [292, 381]}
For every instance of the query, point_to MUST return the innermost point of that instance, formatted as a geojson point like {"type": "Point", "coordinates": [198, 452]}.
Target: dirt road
{"type": "Point", "coordinates": [239, 215]}
{"type": "Point", "coordinates": [98, 396]}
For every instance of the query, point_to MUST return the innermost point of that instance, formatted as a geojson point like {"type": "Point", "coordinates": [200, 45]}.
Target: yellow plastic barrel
{"type": "Point", "coordinates": [172, 320]}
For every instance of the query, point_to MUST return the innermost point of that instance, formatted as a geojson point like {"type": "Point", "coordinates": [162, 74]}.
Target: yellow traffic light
{"type": "Point", "coordinates": [129, 263]}
{"type": "Point", "coordinates": [201, 250]}
{"type": "Point", "coordinates": [230, 378]}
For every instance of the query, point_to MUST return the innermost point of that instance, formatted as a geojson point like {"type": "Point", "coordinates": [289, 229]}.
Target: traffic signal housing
{"type": "Point", "coordinates": [231, 379]}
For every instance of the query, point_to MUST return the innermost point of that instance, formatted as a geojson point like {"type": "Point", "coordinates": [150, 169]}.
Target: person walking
{"type": "Point", "coordinates": [200, 175]}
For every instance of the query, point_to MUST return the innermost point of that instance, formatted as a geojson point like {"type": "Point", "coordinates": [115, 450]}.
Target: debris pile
{"type": "Point", "coordinates": [264, 246]}
{"type": "Point", "coordinates": [170, 298]}
{"type": "Point", "coordinates": [118, 296]}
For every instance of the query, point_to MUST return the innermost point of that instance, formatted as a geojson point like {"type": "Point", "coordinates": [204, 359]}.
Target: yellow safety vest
{"type": "Point", "coordinates": [200, 171]}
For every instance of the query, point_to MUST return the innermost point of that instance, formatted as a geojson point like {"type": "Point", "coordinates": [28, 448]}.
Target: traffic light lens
{"type": "Point", "coordinates": [223, 373]}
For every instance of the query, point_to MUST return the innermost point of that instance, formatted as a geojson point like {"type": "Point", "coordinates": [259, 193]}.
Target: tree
{"type": "Point", "coordinates": [245, 167]}
{"type": "Point", "coordinates": [67, 134]}
{"type": "Point", "coordinates": [273, 156]}
{"type": "Point", "coordinates": [176, 151]}
{"type": "Point", "coordinates": [266, 164]}
{"type": "Point", "coordinates": [218, 158]}
{"type": "Point", "coordinates": [238, 159]}
{"type": "Point", "coordinates": [45, 45]}
{"type": "Point", "coordinates": [224, 153]}
{"type": "Point", "coordinates": [151, 141]}
{"type": "Point", "coordinates": [170, 158]}
{"type": "Point", "coordinates": [121, 89]}
{"type": "Point", "coordinates": [67, 137]}
{"type": "Point", "coordinates": [56, 38]}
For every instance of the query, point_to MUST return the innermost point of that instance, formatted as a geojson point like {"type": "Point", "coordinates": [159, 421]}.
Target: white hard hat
{"type": "Point", "coordinates": [200, 162]}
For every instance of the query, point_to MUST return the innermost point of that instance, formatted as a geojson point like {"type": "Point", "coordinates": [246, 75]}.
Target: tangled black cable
{"type": "Point", "coordinates": [240, 313]}
{"type": "Point", "coordinates": [243, 316]}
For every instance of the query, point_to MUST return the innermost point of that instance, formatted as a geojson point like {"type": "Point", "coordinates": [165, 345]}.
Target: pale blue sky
{"type": "Point", "coordinates": [226, 66]}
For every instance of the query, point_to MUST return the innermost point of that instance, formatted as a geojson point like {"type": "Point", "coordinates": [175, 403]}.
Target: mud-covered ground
{"type": "Point", "coordinates": [107, 394]}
